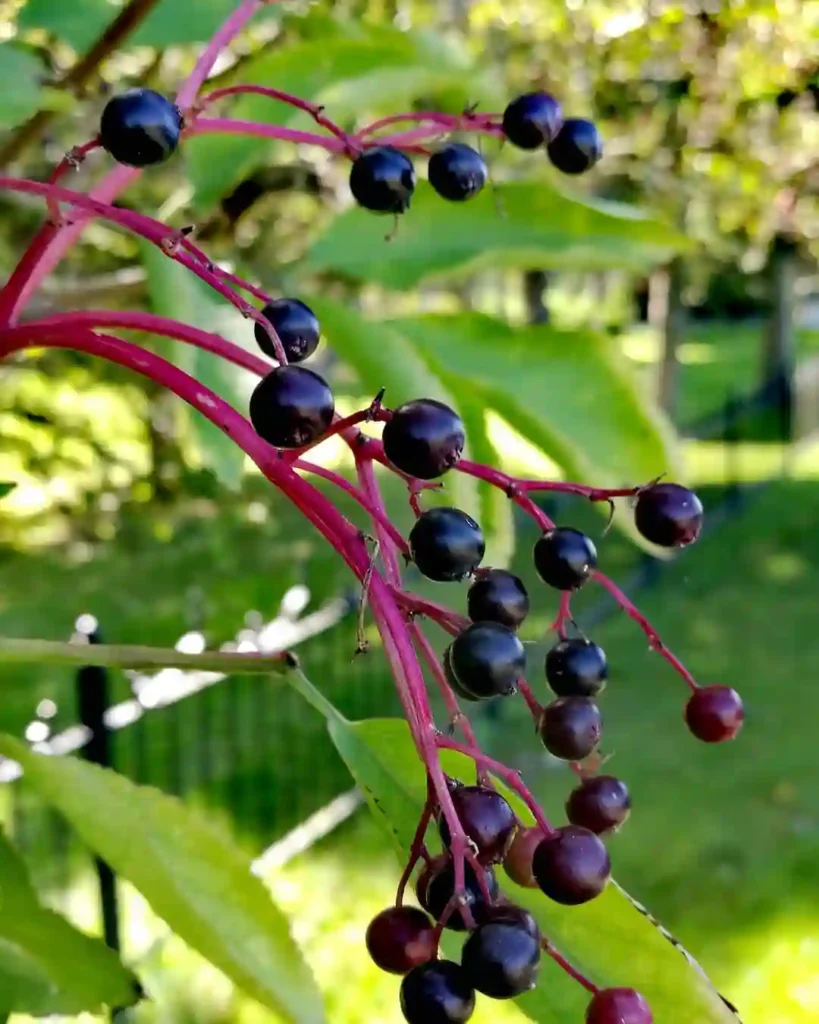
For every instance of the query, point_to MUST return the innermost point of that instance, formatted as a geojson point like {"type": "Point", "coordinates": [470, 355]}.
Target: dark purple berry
{"type": "Point", "coordinates": [446, 544]}
{"type": "Point", "coordinates": [501, 958]}
{"type": "Point", "coordinates": [291, 407]}
{"type": "Point", "coordinates": [383, 180]}
{"type": "Point", "coordinates": [715, 713]}
{"type": "Point", "coordinates": [424, 438]}
{"type": "Point", "coordinates": [452, 679]}
{"type": "Point", "coordinates": [576, 668]}
{"type": "Point", "coordinates": [457, 172]}
{"type": "Point", "coordinates": [669, 515]}
{"type": "Point", "coordinates": [570, 727]}
{"type": "Point", "coordinates": [618, 1006]}
{"type": "Point", "coordinates": [488, 660]}
{"type": "Point", "coordinates": [400, 938]}
{"type": "Point", "coordinates": [577, 146]}
{"type": "Point", "coordinates": [437, 992]}
{"type": "Point", "coordinates": [532, 120]}
{"type": "Point", "coordinates": [487, 819]}
{"type": "Point", "coordinates": [600, 803]}
{"type": "Point", "coordinates": [439, 889]}
{"type": "Point", "coordinates": [140, 127]}
{"type": "Point", "coordinates": [503, 910]}
{"type": "Point", "coordinates": [498, 596]}
{"type": "Point", "coordinates": [296, 325]}
{"type": "Point", "coordinates": [425, 876]}
{"type": "Point", "coordinates": [565, 558]}
{"type": "Point", "coordinates": [572, 866]}
{"type": "Point", "coordinates": [518, 860]}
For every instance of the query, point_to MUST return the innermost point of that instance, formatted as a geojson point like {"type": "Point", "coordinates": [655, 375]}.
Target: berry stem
{"type": "Point", "coordinates": [573, 972]}
{"type": "Point", "coordinates": [449, 122]}
{"type": "Point", "coordinates": [417, 847]}
{"type": "Point", "coordinates": [451, 621]}
{"type": "Point", "coordinates": [456, 715]}
{"type": "Point", "coordinates": [592, 493]}
{"type": "Point", "coordinates": [534, 705]}
{"type": "Point", "coordinates": [314, 110]}
{"type": "Point", "coordinates": [234, 126]}
{"type": "Point", "coordinates": [564, 614]}
{"type": "Point", "coordinates": [72, 159]}
{"type": "Point", "coordinates": [369, 484]}
{"type": "Point", "coordinates": [509, 485]}
{"type": "Point", "coordinates": [373, 414]}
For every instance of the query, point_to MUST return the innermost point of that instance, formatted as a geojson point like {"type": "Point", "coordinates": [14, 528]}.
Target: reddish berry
{"type": "Point", "coordinates": [600, 804]}
{"type": "Point", "coordinates": [291, 407]}
{"type": "Point", "coordinates": [400, 938]}
{"type": "Point", "coordinates": [518, 860]}
{"type": "Point", "coordinates": [576, 668]}
{"type": "Point", "coordinates": [486, 818]}
{"type": "Point", "coordinates": [565, 558]}
{"type": "Point", "coordinates": [446, 544]}
{"type": "Point", "coordinates": [532, 120]}
{"type": "Point", "coordinates": [501, 958]}
{"type": "Point", "coordinates": [572, 866]}
{"type": "Point", "coordinates": [618, 1006]}
{"type": "Point", "coordinates": [498, 596]}
{"type": "Point", "coordinates": [669, 515]}
{"type": "Point", "coordinates": [424, 438]}
{"type": "Point", "coordinates": [577, 147]}
{"type": "Point", "coordinates": [570, 727]}
{"type": "Point", "coordinates": [715, 713]}
{"type": "Point", "coordinates": [488, 660]}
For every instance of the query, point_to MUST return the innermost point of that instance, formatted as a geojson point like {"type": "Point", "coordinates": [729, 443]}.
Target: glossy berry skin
{"type": "Point", "coordinates": [383, 180]}
{"type": "Point", "coordinates": [508, 912]}
{"type": "Point", "coordinates": [618, 1006]}
{"type": "Point", "coordinates": [140, 127]}
{"type": "Point", "coordinates": [400, 938]}
{"type": "Point", "coordinates": [437, 992]}
{"type": "Point", "coordinates": [570, 727]}
{"type": "Point", "coordinates": [439, 888]}
{"type": "Point", "coordinates": [518, 860]}
{"type": "Point", "coordinates": [501, 958]}
{"type": "Point", "coordinates": [577, 147]}
{"type": "Point", "coordinates": [296, 325]}
{"type": "Point", "coordinates": [487, 819]}
{"type": "Point", "coordinates": [424, 438]}
{"type": "Point", "coordinates": [446, 544]}
{"type": "Point", "coordinates": [457, 172]}
{"type": "Point", "coordinates": [498, 596]}
{"type": "Point", "coordinates": [715, 713]}
{"type": "Point", "coordinates": [532, 120]}
{"type": "Point", "coordinates": [576, 668]}
{"type": "Point", "coordinates": [425, 876]}
{"type": "Point", "coordinates": [291, 407]}
{"type": "Point", "coordinates": [669, 515]}
{"type": "Point", "coordinates": [565, 558]}
{"type": "Point", "coordinates": [453, 680]}
{"type": "Point", "coordinates": [600, 803]}
{"type": "Point", "coordinates": [488, 660]}
{"type": "Point", "coordinates": [572, 866]}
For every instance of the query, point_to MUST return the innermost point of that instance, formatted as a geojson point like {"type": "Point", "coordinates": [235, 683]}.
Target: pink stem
{"type": "Point", "coordinates": [573, 972]}
{"type": "Point", "coordinates": [417, 844]}
{"type": "Point", "coordinates": [72, 159]}
{"type": "Point", "coordinates": [564, 614]}
{"type": "Point", "coordinates": [314, 110]}
{"type": "Point", "coordinates": [592, 493]}
{"type": "Point", "coordinates": [535, 707]}
{"type": "Point", "coordinates": [451, 621]}
{"type": "Point", "coordinates": [373, 414]}
{"type": "Point", "coordinates": [406, 140]}
{"type": "Point", "coordinates": [369, 484]}
{"type": "Point", "coordinates": [231, 126]}
{"type": "Point", "coordinates": [456, 715]}
{"type": "Point", "coordinates": [452, 122]}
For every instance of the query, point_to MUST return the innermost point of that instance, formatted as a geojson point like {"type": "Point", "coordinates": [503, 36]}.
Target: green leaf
{"type": "Point", "coordinates": [172, 23]}
{"type": "Point", "coordinates": [46, 965]}
{"type": "Point", "coordinates": [607, 939]}
{"type": "Point", "coordinates": [189, 871]}
{"type": "Point", "coordinates": [20, 76]}
{"type": "Point", "coordinates": [6, 487]}
{"type": "Point", "coordinates": [78, 23]}
{"type": "Point", "coordinates": [525, 224]}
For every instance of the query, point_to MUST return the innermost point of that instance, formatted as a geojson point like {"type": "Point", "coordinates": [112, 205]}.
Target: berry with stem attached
{"type": "Point", "coordinates": [486, 818]}
{"type": "Point", "coordinates": [446, 544]}
{"type": "Point", "coordinates": [457, 172]}
{"type": "Point", "coordinates": [437, 992]}
{"type": "Point", "coordinates": [383, 180]}
{"type": "Point", "coordinates": [291, 406]}
{"type": "Point", "coordinates": [669, 515]}
{"type": "Point", "coordinates": [435, 891]}
{"type": "Point", "coordinates": [618, 1006]}
{"type": "Point", "coordinates": [576, 668]}
{"type": "Point", "coordinates": [570, 727]}
{"type": "Point", "coordinates": [600, 803]}
{"type": "Point", "coordinates": [424, 438]}
{"type": "Point", "coordinates": [501, 958]}
{"type": "Point", "coordinates": [488, 660]}
{"type": "Point", "coordinates": [532, 120]}
{"type": "Point", "coordinates": [400, 938]}
{"type": "Point", "coordinates": [577, 147]}
{"type": "Point", "coordinates": [296, 325]}
{"type": "Point", "coordinates": [715, 713]}
{"type": "Point", "coordinates": [498, 596]}
{"type": "Point", "coordinates": [518, 860]}
{"type": "Point", "coordinates": [140, 127]}
{"type": "Point", "coordinates": [571, 866]}
{"type": "Point", "coordinates": [565, 558]}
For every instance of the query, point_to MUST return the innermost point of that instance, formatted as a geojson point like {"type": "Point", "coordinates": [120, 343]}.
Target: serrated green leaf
{"type": "Point", "coordinates": [524, 224]}
{"type": "Point", "coordinates": [20, 76]}
{"type": "Point", "coordinates": [46, 965]}
{"type": "Point", "coordinates": [189, 871]}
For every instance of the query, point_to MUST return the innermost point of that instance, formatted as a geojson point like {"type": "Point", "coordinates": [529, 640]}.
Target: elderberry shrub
{"type": "Point", "coordinates": [424, 438]}
{"type": "Point", "coordinates": [577, 147]}
{"type": "Point", "coordinates": [291, 407]}
{"type": "Point", "coordinates": [498, 596]}
{"type": "Point", "coordinates": [600, 803]}
{"type": "Point", "coordinates": [487, 820]}
{"type": "Point", "coordinates": [296, 325]}
{"type": "Point", "coordinates": [532, 120]}
{"type": "Point", "coordinates": [518, 860]}
{"type": "Point", "coordinates": [565, 558]}
{"type": "Point", "coordinates": [715, 713]}
{"type": "Point", "coordinates": [488, 660]}
{"type": "Point", "coordinates": [383, 180]}
{"type": "Point", "coordinates": [576, 668]}
{"type": "Point", "coordinates": [437, 887]}
{"type": "Point", "coordinates": [400, 938]}
{"type": "Point", "coordinates": [669, 515]}
{"type": "Point", "coordinates": [457, 172]}
{"type": "Point", "coordinates": [140, 127]}
{"type": "Point", "coordinates": [501, 958]}
{"type": "Point", "coordinates": [618, 1006]}
{"type": "Point", "coordinates": [446, 544]}
{"type": "Point", "coordinates": [571, 866]}
{"type": "Point", "coordinates": [570, 727]}
{"type": "Point", "coordinates": [437, 992]}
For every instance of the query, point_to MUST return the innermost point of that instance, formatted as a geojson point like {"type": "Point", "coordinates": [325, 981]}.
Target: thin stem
{"type": "Point", "coordinates": [302, 685]}
{"type": "Point", "coordinates": [234, 126]}
{"type": "Point", "coordinates": [313, 109]}
{"type": "Point", "coordinates": [534, 705]}
{"type": "Point", "coordinates": [573, 972]}
{"type": "Point", "coordinates": [369, 484]}
{"type": "Point", "coordinates": [451, 122]}
{"type": "Point", "coordinates": [562, 487]}
{"type": "Point", "coordinates": [72, 159]}
{"type": "Point", "coordinates": [417, 843]}
{"type": "Point", "coordinates": [508, 485]}
{"type": "Point", "coordinates": [452, 622]}
{"type": "Point", "coordinates": [456, 715]}
{"type": "Point", "coordinates": [373, 414]}
{"type": "Point", "coordinates": [564, 614]}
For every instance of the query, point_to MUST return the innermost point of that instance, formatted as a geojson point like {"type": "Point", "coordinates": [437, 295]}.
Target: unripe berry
{"type": "Point", "coordinates": [618, 1006]}
{"type": "Point", "coordinates": [715, 713]}
{"type": "Point", "coordinates": [400, 938]}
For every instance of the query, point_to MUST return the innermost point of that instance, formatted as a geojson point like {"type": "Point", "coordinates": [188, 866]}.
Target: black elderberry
{"type": "Point", "coordinates": [296, 325]}
{"type": "Point", "coordinates": [140, 127]}
{"type": "Point", "coordinates": [437, 992]}
{"type": "Point", "coordinates": [457, 172]}
{"type": "Point", "coordinates": [452, 679]}
{"type": "Point", "coordinates": [437, 889]}
{"type": "Point", "coordinates": [532, 120]}
{"type": "Point", "coordinates": [486, 818]}
{"type": "Point", "coordinates": [570, 727]}
{"type": "Point", "coordinates": [600, 803]}
{"type": "Point", "coordinates": [424, 438]}
{"type": "Point", "coordinates": [446, 544]}
{"type": "Point", "coordinates": [577, 147]}
{"type": "Point", "coordinates": [669, 515]}
{"type": "Point", "coordinates": [576, 668]}
{"type": "Point", "coordinates": [501, 958]}
{"type": "Point", "coordinates": [488, 660]}
{"type": "Point", "coordinates": [291, 407]}
{"type": "Point", "coordinates": [565, 558]}
{"type": "Point", "coordinates": [571, 866]}
{"type": "Point", "coordinates": [383, 180]}
{"type": "Point", "coordinates": [498, 596]}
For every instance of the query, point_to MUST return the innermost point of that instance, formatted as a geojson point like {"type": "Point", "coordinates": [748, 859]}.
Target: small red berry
{"type": "Point", "coordinates": [618, 1006]}
{"type": "Point", "coordinates": [715, 714]}
{"type": "Point", "coordinates": [571, 866]}
{"type": "Point", "coordinates": [400, 938]}
{"type": "Point", "coordinates": [600, 804]}
{"type": "Point", "coordinates": [518, 860]}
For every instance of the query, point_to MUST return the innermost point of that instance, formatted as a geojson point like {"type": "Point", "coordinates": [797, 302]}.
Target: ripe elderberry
{"type": "Point", "coordinates": [518, 860]}
{"type": "Point", "coordinates": [501, 958]}
{"type": "Point", "coordinates": [503, 910]}
{"type": "Point", "coordinates": [383, 180]}
{"type": "Point", "coordinates": [532, 120]}
{"type": "Point", "coordinates": [291, 407]}
{"type": "Point", "coordinates": [437, 889]}
{"type": "Point", "coordinates": [486, 818]}
{"type": "Point", "coordinates": [618, 1006]}
{"type": "Point", "coordinates": [457, 172]}
{"type": "Point", "coordinates": [577, 147]}
{"type": "Point", "coordinates": [570, 727]}
{"type": "Point", "coordinates": [669, 515]}
{"type": "Point", "coordinates": [400, 938]}
{"type": "Point", "coordinates": [140, 127]}
{"type": "Point", "coordinates": [437, 992]}
{"type": "Point", "coordinates": [572, 866]}
{"type": "Point", "coordinates": [296, 325]}
{"type": "Point", "coordinates": [600, 804]}
{"type": "Point", "coordinates": [565, 558]}
{"type": "Point", "coordinates": [452, 679]}
{"type": "Point", "coordinates": [488, 660]}
{"type": "Point", "coordinates": [446, 544]}
{"type": "Point", "coordinates": [424, 438]}
{"type": "Point", "coordinates": [576, 668]}
{"type": "Point", "coordinates": [715, 713]}
{"type": "Point", "coordinates": [498, 596]}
